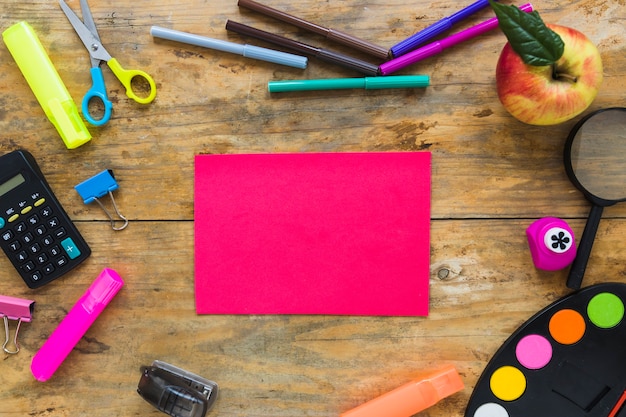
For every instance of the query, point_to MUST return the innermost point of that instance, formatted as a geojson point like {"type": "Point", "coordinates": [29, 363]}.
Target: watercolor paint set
{"type": "Point", "coordinates": [568, 360]}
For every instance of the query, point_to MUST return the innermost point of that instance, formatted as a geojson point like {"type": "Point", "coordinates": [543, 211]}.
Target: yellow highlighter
{"type": "Point", "coordinates": [44, 81]}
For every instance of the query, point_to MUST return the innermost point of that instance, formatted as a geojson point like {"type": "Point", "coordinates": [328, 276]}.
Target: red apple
{"type": "Point", "coordinates": [552, 94]}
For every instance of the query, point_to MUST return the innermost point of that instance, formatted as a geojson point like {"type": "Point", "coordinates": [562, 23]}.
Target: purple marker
{"type": "Point", "coordinates": [438, 46]}
{"type": "Point", "coordinates": [435, 29]}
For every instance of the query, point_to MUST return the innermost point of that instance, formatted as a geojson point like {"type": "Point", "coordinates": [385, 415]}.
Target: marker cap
{"type": "Point", "coordinates": [397, 81]}
{"type": "Point", "coordinates": [412, 397]}
{"type": "Point", "coordinates": [45, 82]}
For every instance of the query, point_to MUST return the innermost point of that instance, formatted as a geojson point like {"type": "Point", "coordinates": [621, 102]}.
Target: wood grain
{"type": "Point", "coordinates": [492, 176]}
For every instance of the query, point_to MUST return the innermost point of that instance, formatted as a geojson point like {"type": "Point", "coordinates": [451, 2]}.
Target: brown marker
{"type": "Point", "coordinates": [331, 34]}
{"type": "Point", "coordinates": [302, 48]}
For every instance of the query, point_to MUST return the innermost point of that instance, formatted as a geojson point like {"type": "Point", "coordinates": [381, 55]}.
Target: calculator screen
{"type": "Point", "coordinates": [11, 184]}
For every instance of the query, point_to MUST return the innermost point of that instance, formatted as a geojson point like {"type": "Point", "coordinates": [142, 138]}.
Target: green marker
{"type": "Point", "coordinates": [367, 83]}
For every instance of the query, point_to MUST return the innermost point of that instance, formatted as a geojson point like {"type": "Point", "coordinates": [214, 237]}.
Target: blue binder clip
{"type": "Point", "coordinates": [97, 187]}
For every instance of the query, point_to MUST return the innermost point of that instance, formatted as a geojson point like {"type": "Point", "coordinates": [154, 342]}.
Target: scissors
{"type": "Point", "coordinates": [89, 36]}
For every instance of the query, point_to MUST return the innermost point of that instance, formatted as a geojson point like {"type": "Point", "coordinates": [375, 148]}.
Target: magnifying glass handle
{"type": "Point", "coordinates": [577, 270]}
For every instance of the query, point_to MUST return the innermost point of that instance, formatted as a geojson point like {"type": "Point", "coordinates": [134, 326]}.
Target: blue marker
{"type": "Point", "coordinates": [435, 29]}
{"type": "Point", "coordinates": [249, 51]}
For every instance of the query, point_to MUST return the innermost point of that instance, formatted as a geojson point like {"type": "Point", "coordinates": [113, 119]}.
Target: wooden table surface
{"type": "Point", "coordinates": [492, 176]}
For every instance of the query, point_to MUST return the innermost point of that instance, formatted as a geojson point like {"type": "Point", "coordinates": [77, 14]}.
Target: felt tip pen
{"type": "Point", "coordinates": [367, 83]}
{"type": "Point", "coordinates": [45, 82]}
{"type": "Point", "coordinates": [248, 51]}
{"type": "Point", "coordinates": [330, 34]}
{"type": "Point", "coordinates": [434, 48]}
{"type": "Point", "coordinates": [332, 57]}
{"type": "Point", "coordinates": [75, 324]}
{"type": "Point", "coordinates": [435, 29]}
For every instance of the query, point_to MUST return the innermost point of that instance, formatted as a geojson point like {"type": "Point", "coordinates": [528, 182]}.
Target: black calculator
{"type": "Point", "coordinates": [35, 232]}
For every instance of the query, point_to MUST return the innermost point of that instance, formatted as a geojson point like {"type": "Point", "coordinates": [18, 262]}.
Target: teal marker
{"type": "Point", "coordinates": [367, 83]}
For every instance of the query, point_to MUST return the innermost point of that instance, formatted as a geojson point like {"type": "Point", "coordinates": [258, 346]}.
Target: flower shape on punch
{"type": "Point", "coordinates": [558, 239]}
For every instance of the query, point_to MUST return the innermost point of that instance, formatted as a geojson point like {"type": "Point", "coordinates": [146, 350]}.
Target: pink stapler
{"type": "Point", "coordinates": [75, 324]}
{"type": "Point", "coordinates": [18, 309]}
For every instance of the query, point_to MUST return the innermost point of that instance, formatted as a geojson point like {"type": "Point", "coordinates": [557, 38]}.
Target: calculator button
{"type": "Point", "coordinates": [14, 245]}
{"type": "Point", "coordinates": [26, 209]}
{"type": "Point", "coordinates": [29, 266]}
{"type": "Point", "coordinates": [40, 230]}
{"type": "Point", "coordinates": [48, 269]}
{"type": "Point", "coordinates": [28, 238]}
{"type": "Point", "coordinates": [61, 262]}
{"type": "Point", "coordinates": [59, 233]}
{"type": "Point", "coordinates": [46, 211]}
{"type": "Point", "coordinates": [70, 248]}
{"type": "Point", "coordinates": [47, 241]}
{"type": "Point", "coordinates": [35, 248]}
{"type": "Point", "coordinates": [55, 251]}
{"type": "Point", "coordinates": [21, 227]}
{"type": "Point", "coordinates": [42, 258]}
{"type": "Point", "coordinates": [6, 236]}
{"type": "Point", "coordinates": [40, 202]}
{"type": "Point", "coordinates": [53, 222]}
{"type": "Point", "coordinates": [36, 276]}
{"type": "Point", "coordinates": [2, 222]}
{"type": "Point", "coordinates": [14, 218]}
{"type": "Point", "coordinates": [33, 220]}
{"type": "Point", "coordinates": [22, 256]}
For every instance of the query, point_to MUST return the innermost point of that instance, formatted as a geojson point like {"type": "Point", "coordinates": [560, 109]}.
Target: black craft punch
{"type": "Point", "coordinates": [175, 391]}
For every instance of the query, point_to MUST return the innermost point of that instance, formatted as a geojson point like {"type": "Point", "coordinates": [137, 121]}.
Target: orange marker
{"type": "Point", "coordinates": [413, 397]}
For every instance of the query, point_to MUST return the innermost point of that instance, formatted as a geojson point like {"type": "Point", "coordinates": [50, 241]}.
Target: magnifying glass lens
{"type": "Point", "coordinates": [598, 155]}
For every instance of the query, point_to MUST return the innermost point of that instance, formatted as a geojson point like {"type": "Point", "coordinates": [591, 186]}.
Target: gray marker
{"type": "Point", "coordinates": [248, 51]}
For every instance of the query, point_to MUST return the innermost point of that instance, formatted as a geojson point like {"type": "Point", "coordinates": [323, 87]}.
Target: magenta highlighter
{"type": "Point", "coordinates": [75, 324]}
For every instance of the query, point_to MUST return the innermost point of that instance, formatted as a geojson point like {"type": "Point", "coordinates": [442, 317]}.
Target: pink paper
{"type": "Point", "coordinates": [312, 233]}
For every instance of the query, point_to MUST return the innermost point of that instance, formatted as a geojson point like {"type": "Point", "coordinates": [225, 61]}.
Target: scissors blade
{"type": "Point", "coordinates": [91, 42]}
{"type": "Point", "coordinates": [88, 18]}
{"type": "Point", "coordinates": [91, 25]}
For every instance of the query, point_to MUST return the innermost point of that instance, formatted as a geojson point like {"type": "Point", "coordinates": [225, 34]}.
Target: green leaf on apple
{"type": "Point", "coordinates": [530, 38]}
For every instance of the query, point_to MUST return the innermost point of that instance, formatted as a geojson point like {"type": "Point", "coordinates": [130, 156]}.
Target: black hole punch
{"type": "Point", "coordinates": [175, 391]}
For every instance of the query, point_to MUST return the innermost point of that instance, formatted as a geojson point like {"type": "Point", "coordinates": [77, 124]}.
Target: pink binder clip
{"type": "Point", "coordinates": [18, 309]}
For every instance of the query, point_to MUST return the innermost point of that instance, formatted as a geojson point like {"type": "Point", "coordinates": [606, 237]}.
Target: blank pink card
{"type": "Point", "coordinates": [313, 233]}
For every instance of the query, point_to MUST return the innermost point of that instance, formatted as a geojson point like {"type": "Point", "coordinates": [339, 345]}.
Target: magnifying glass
{"type": "Point", "coordinates": [595, 162]}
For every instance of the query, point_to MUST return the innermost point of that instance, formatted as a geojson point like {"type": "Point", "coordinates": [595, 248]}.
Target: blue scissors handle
{"type": "Point", "coordinates": [97, 92]}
